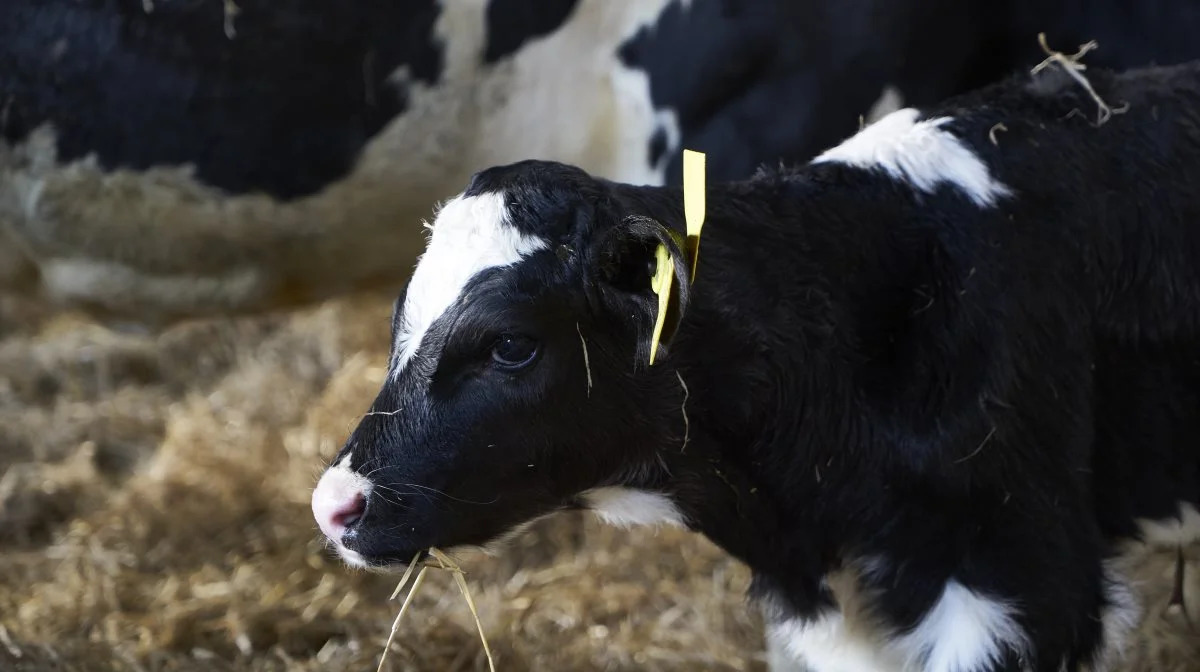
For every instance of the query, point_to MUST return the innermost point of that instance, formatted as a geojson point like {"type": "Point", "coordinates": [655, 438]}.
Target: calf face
{"type": "Point", "coordinates": [517, 384]}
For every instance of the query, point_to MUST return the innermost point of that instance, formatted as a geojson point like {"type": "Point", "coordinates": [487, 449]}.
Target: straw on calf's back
{"type": "Point", "coordinates": [936, 379]}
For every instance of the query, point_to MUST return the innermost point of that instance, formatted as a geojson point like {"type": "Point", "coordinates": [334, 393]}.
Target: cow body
{"type": "Point", "coordinates": [930, 386]}
{"type": "Point", "coordinates": [157, 167]}
{"type": "Point", "coordinates": [168, 158]}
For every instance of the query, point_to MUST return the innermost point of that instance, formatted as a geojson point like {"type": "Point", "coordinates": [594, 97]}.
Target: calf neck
{"type": "Point", "coordinates": [911, 385]}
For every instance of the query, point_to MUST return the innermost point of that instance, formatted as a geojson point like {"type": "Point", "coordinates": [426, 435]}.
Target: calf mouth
{"type": "Point", "coordinates": [392, 562]}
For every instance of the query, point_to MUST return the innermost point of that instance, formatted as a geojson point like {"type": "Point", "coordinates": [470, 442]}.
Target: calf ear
{"type": "Point", "coordinates": [623, 264]}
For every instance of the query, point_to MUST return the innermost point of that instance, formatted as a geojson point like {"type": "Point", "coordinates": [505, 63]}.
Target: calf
{"type": "Point", "coordinates": [161, 159]}
{"type": "Point", "coordinates": [928, 386]}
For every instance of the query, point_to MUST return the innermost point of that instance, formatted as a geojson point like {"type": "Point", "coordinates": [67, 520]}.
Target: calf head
{"type": "Point", "coordinates": [518, 382]}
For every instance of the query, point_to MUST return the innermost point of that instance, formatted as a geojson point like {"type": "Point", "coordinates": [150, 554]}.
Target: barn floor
{"type": "Point", "coordinates": [154, 516]}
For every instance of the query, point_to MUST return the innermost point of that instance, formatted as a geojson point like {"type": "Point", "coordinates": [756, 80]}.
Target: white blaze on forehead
{"type": "Point", "coordinates": [920, 153]}
{"type": "Point", "coordinates": [470, 234]}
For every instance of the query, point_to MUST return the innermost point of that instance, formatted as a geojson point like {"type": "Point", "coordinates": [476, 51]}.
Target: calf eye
{"type": "Point", "coordinates": [513, 351]}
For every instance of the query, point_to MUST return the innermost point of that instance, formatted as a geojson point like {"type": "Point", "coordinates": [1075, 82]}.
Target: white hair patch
{"type": "Point", "coordinates": [629, 507]}
{"type": "Point", "coordinates": [920, 153]}
{"type": "Point", "coordinates": [964, 631]}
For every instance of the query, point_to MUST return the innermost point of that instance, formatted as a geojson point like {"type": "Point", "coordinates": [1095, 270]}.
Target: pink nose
{"type": "Point", "coordinates": [339, 501]}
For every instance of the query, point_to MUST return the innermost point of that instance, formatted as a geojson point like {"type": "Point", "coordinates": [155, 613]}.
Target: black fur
{"type": "Point", "coordinates": [283, 108]}
{"type": "Point", "coordinates": [990, 395]}
{"type": "Point", "coordinates": [727, 68]}
{"type": "Point", "coordinates": [512, 23]}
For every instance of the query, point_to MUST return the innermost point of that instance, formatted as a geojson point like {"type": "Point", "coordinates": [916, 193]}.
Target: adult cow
{"type": "Point", "coordinates": [166, 158]}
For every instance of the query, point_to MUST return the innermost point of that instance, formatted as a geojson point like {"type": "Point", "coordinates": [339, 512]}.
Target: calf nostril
{"type": "Point", "coordinates": [351, 513]}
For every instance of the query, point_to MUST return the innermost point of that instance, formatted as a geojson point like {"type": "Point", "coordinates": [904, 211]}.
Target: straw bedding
{"type": "Point", "coordinates": [154, 516]}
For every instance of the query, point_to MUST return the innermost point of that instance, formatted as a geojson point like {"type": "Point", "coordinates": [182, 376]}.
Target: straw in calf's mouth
{"type": "Point", "coordinates": [445, 563]}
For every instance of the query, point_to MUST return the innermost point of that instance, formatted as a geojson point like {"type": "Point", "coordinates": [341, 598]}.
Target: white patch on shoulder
{"type": "Point", "coordinates": [1173, 532]}
{"type": "Point", "coordinates": [627, 507]}
{"type": "Point", "coordinates": [470, 234]}
{"type": "Point", "coordinates": [920, 153]}
{"type": "Point", "coordinates": [963, 632]}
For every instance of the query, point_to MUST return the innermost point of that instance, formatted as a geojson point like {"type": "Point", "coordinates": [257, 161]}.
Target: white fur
{"type": "Point", "coordinates": [597, 114]}
{"type": "Point", "coordinates": [1118, 620]}
{"type": "Point", "coordinates": [1171, 533]}
{"type": "Point", "coordinates": [963, 632]}
{"type": "Point", "coordinates": [830, 644]}
{"type": "Point", "coordinates": [352, 558]}
{"type": "Point", "coordinates": [627, 507]}
{"type": "Point", "coordinates": [470, 234]}
{"type": "Point", "coordinates": [920, 153]}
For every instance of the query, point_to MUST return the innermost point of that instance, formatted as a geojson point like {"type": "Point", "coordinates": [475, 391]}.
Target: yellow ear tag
{"type": "Point", "coordinates": [664, 274]}
{"type": "Point", "coordinates": [693, 203]}
{"type": "Point", "coordinates": [693, 214]}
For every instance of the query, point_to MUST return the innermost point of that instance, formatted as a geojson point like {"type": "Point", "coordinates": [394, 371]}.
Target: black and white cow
{"type": "Point", "coordinates": [167, 158]}
{"type": "Point", "coordinates": [929, 386]}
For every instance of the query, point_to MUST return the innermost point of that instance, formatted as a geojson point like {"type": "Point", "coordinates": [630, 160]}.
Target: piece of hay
{"type": "Point", "coordinates": [1073, 67]}
{"type": "Point", "coordinates": [687, 425]}
{"type": "Point", "coordinates": [587, 364]}
{"type": "Point", "coordinates": [403, 607]}
{"type": "Point", "coordinates": [460, 578]}
{"type": "Point", "coordinates": [447, 564]}
{"type": "Point", "coordinates": [992, 134]}
{"type": "Point", "coordinates": [231, 11]}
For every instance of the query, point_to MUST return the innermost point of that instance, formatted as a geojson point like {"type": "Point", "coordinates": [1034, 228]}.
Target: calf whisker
{"type": "Point", "coordinates": [401, 494]}
{"type": "Point", "coordinates": [395, 502]}
{"type": "Point", "coordinates": [448, 496]}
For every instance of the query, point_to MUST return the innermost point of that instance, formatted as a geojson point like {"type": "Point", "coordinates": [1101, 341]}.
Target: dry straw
{"type": "Point", "coordinates": [447, 564]}
{"type": "Point", "coordinates": [1073, 66]}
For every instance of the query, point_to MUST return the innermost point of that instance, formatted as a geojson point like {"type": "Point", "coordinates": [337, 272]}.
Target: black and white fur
{"type": "Point", "coordinates": [937, 379]}
{"type": "Point", "coordinates": [163, 159]}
